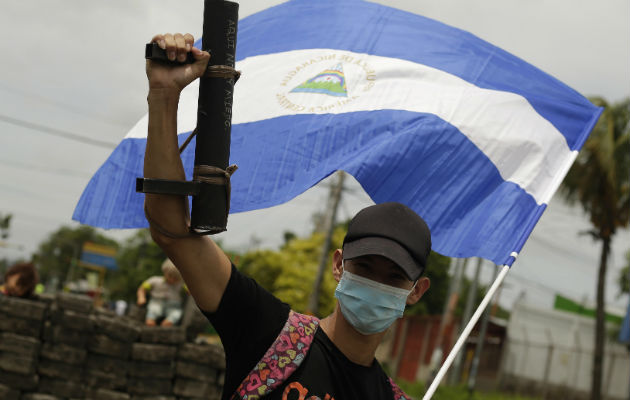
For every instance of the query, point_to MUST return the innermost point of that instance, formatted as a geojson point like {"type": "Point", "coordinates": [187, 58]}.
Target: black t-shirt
{"type": "Point", "coordinates": [248, 321]}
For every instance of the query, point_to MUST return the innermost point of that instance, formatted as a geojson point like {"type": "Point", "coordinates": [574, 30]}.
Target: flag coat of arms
{"type": "Point", "coordinates": [472, 138]}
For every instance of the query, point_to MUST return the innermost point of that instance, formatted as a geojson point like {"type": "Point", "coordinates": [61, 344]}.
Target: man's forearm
{"type": "Point", "coordinates": [162, 161]}
{"type": "Point", "coordinates": [204, 267]}
{"type": "Point", "coordinates": [141, 296]}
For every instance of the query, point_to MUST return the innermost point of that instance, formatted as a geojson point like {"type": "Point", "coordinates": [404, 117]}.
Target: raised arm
{"type": "Point", "coordinates": [141, 295]}
{"type": "Point", "coordinates": [202, 264]}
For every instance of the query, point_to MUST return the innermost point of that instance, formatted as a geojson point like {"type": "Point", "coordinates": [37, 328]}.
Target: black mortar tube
{"type": "Point", "coordinates": [214, 114]}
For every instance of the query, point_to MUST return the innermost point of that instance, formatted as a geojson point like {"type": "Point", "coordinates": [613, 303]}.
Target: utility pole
{"type": "Point", "coordinates": [470, 302]}
{"type": "Point", "coordinates": [447, 315]}
{"type": "Point", "coordinates": [76, 253]}
{"type": "Point", "coordinates": [628, 344]}
{"type": "Point", "coordinates": [333, 204]}
{"type": "Point", "coordinates": [481, 338]}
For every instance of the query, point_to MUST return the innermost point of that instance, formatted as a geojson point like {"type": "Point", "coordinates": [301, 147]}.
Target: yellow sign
{"type": "Point", "coordinates": [99, 249]}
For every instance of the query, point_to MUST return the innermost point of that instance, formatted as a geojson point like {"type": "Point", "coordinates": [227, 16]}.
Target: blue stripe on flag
{"type": "Point", "coordinates": [430, 166]}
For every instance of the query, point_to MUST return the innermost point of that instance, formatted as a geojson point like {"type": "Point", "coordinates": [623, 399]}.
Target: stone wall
{"type": "Point", "coordinates": [60, 347]}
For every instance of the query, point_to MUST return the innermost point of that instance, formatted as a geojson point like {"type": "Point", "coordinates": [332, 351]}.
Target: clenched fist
{"type": "Point", "coordinates": [174, 78]}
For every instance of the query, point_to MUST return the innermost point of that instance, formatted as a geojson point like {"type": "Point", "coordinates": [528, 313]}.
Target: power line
{"type": "Point", "coordinates": [40, 220]}
{"type": "Point", "coordinates": [56, 132]}
{"type": "Point", "coordinates": [14, 190]}
{"type": "Point", "coordinates": [66, 106]}
{"type": "Point", "coordinates": [48, 170]}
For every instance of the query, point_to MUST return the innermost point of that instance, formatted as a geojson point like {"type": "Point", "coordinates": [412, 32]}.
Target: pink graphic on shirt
{"type": "Point", "coordinates": [281, 359]}
{"type": "Point", "coordinates": [284, 357]}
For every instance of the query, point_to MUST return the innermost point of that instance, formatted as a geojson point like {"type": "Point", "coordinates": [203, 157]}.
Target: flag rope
{"type": "Point", "coordinates": [462, 338]}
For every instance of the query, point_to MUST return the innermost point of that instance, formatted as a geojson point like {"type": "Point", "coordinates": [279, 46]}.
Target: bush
{"type": "Point", "coordinates": [416, 390]}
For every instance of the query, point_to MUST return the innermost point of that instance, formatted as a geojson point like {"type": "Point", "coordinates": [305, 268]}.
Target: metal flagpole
{"type": "Point", "coordinates": [462, 338]}
{"type": "Point", "coordinates": [628, 317]}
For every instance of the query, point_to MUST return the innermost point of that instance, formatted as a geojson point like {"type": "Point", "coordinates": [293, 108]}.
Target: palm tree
{"type": "Point", "coordinates": [600, 181]}
{"type": "Point", "coordinates": [5, 223]}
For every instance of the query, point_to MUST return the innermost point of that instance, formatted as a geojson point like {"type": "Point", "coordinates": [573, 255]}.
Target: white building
{"type": "Point", "coordinates": [552, 351]}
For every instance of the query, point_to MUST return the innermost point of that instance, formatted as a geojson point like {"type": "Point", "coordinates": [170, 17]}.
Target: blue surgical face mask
{"type": "Point", "coordinates": [369, 306]}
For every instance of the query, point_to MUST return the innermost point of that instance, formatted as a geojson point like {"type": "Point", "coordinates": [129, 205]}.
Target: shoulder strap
{"type": "Point", "coordinates": [398, 393]}
{"type": "Point", "coordinates": [281, 359]}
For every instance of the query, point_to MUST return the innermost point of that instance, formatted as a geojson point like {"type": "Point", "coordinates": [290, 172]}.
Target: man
{"type": "Point", "coordinates": [379, 272]}
{"type": "Point", "coordinates": [20, 280]}
{"type": "Point", "coordinates": [166, 296]}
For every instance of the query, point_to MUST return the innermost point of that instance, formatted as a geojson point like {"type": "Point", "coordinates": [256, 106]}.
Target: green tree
{"type": "Point", "coordinates": [600, 181]}
{"type": "Point", "coordinates": [5, 223]}
{"type": "Point", "coordinates": [289, 273]}
{"type": "Point", "coordinates": [138, 259]}
{"type": "Point", "coordinates": [432, 302]}
{"type": "Point", "coordinates": [62, 249]}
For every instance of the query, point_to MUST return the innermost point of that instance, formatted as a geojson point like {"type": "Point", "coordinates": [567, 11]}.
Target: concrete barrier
{"type": "Point", "coordinates": [61, 347]}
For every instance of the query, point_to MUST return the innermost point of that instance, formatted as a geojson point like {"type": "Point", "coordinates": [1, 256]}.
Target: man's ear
{"type": "Point", "coordinates": [337, 263]}
{"type": "Point", "coordinates": [418, 290]}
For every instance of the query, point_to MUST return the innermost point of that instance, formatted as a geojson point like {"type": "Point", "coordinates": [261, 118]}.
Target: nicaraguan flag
{"type": "Point", "coordinates": [472, 138]}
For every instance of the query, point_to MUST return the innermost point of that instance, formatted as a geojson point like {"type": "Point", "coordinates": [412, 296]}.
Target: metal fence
{"type": "Point", "coordinates": [550, 353]}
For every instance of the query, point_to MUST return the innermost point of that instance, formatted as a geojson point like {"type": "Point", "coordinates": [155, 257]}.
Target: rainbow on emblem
{"type": "Point", "coordinates": [331, 82]}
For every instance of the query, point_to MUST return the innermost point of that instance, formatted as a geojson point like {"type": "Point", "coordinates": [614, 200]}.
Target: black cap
{"type": "Point", "coordinates": [391, 230]}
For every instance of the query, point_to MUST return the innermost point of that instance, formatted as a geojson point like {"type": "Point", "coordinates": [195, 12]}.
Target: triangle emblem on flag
{"type": "Point", "coordinates": [331, 81]}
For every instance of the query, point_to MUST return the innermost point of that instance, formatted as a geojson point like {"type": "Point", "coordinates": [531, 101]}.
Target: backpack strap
{"type": "Point", "coordinates": [398, 393]}
{"type": "Point", "coordinates": [281, 359]}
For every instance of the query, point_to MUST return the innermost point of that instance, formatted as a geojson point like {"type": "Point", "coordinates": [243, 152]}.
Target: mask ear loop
{"type": "Point", "coordinates": [413, 287]}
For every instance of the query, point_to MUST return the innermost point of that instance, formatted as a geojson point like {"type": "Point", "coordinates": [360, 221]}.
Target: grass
{"type": "Point", "coordinates": [416, 391]}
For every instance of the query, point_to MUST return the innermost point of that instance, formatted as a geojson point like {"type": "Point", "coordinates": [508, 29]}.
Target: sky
{"type": "Point", "coordinates": [73, 83]}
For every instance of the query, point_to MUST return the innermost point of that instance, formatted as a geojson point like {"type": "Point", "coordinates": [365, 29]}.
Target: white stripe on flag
{"type": "Point", "coordinates": [526, 148]}
{"type": "Point", "coordinates": [186, 114]}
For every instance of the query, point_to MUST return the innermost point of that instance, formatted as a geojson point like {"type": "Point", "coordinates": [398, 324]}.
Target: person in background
{"type": "Point", "coordinates": [20, 280]}
{"type": "Point", "coordinates": [165, 291]}
{"type": "Point", "coordinates": [120, 307]}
